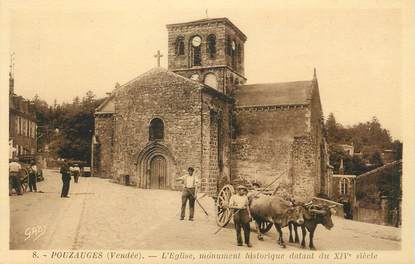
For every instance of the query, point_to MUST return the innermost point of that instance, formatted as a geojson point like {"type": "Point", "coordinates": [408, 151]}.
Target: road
{"type": "Point", "coordinates": [104, 215]}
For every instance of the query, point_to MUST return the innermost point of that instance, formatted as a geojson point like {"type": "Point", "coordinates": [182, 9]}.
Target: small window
{"type": "Point", "coordinates": [344, 186]}
{"type": "Point", "coordinates": [211, 46]}
{"type": "Point", "coordinates": [156, 129]}
{"type": "Point", "coordinates": [180, 46]}
{"type": "Point", "coordinates": [239, 52]}
{"type": "Point", "coordinates": [228, 48]}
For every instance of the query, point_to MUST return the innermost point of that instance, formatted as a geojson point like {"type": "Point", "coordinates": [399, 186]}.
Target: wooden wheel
{"type": "Point", "coordinates": [265, 226]}
{"type": "Point", "coordinates": [223, 213]}
{"type": "Point", "coordinates": [25, 181]}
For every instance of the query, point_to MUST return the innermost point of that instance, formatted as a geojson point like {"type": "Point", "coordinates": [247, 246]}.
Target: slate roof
{"type": "Point", "coordinates": [210, 20]}
{"type": "Point", "coordinates": [287, 93]}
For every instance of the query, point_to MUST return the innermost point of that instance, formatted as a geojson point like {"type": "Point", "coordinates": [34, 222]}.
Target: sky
{"type": "Point", "coordinates": [63, 49]}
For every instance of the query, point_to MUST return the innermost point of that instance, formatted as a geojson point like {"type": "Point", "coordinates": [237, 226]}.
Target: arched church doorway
{"type": "Point", "coordinates": [158, 173]}
{"type": "Point", "coordinates": [156, 167]}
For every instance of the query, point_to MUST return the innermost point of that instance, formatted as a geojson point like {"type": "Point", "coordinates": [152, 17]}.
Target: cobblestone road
{"type": "Point", "coordinates": [104, 215]}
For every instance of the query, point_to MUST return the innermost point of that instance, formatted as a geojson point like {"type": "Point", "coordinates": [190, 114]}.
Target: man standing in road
{"type": "Point", "coordinates": [66, 179]}
{"type": "Point", "coordinates": [33, 176]}
{"type": "Point", "coordinates": [14, 174]}
{"type": "Point", "coordinates": [242, 215]}
{"type": "Point", "coordinates": [76, 172]}
{"type": "Point", "coordinates": [190, 183]}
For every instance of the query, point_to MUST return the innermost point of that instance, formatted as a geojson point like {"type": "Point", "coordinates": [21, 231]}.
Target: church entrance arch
{"type": "Point", "coordinates": [155, 167]}
{"type": "Point", "coordinates": [158, 173]}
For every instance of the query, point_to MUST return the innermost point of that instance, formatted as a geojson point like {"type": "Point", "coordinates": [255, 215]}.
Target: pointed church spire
{"type": "Point", "coordinates": [315, 73]}
{"type": "Point", "coordinates": [11, 74]}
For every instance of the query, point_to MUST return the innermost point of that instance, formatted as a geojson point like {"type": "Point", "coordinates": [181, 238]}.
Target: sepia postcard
{"type": "Point", "coordinates": [207, 131]}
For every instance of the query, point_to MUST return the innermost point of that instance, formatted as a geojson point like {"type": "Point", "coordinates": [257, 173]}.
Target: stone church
{"type": "Point", "coordinates": [201, 113]}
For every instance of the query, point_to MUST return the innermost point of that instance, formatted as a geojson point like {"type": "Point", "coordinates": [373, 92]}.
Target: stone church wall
{"type": "Point", "coordinates": [216, 143]}
{"type": "Point", "coordinates": [174, 100]}
{"type": "Point", "coordinates": [264, 145]}
{"type": "Point", "coordinates": [319, 143]}
{"type": "Point", "coordinates": [104, 127]}
{"type": "Point", "coordinates": [304, 168]}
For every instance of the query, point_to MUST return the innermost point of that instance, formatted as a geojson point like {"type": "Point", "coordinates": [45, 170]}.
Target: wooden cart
{"type": "Point", "coordinates": [224, 214]}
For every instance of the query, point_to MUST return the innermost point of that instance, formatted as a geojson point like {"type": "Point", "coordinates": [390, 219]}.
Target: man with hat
{"type": "Point", "coordinates": [242, 215]}
{"type": "Point", "coordinates": [190, 183]}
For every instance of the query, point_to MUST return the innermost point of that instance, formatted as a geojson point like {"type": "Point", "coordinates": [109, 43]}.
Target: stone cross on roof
{"type": "Point", "coordinates": [158, 56]}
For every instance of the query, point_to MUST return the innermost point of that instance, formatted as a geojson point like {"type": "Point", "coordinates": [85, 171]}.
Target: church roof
{"type": "Point", "coordinates": [210, 20]}
{"type": "Point", "coordinates": [287, 93]}
{"type": "Point", "coordinates": [152, 76]}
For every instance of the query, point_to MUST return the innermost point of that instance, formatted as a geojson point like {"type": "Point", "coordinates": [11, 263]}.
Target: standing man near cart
{"type": "Point", "coordinates": [33, 176]}
{"type": "Point", "coordinates": [242, 216]}
{"type": "Point", "coordinates": [190, 183]}
{"type": "Point", "coordinates": [14, 177]}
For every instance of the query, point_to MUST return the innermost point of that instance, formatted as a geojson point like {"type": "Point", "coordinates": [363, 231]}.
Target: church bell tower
{"type": "Point", "coordinates": [210, 51]}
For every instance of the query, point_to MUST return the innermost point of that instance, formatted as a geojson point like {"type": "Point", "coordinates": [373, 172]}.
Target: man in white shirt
{"type": "Point", "coordinates": [14, 173]}
{"type": "Point", "coordinates": [190, 183]}
{"type": "Point", "coordinates": [242, 215]}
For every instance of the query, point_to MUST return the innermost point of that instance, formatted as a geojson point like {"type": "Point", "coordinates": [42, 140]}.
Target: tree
{"type": "Point", "coordinates": [376, 159]}
{"type": "Point", "coordinates": [75, 123]}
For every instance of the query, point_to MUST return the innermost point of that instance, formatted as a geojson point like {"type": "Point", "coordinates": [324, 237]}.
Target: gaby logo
{"type": "Point", "coordinates": [35, 232]}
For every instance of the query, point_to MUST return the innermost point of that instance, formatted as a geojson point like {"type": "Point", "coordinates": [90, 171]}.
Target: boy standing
{"type": "Point", "coordinates": [242, 215]}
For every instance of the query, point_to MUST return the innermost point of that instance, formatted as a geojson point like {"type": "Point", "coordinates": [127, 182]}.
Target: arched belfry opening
{"type": "Point", "coordinates": [155, 167]}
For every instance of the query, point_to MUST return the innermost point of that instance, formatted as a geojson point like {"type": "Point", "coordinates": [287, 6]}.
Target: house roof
{"type": "Point", "coordinates": [107, 106]}
{"type": "Point", "coordinates": [287, 93]}
{"type": "Point", "coordinates": [384, 167]}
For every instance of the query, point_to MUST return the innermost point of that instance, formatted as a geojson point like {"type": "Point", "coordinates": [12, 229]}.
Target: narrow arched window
{"type": "Point", "coordinates": [180, 45]}
{"type": "Point", "coordinates": [239, 52]}
{"type": "Point", "coordinates": [211, 46]}
{"type": "Point", "coordinates": [228, 46]}
{"type": "Point", "coordinates": [344, 186]}
{"type": "Point", "coordinates": [156, 129]}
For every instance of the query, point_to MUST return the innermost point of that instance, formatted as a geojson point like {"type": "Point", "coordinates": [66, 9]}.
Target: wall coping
{"type": "Point", "coordinates": [270, 107]}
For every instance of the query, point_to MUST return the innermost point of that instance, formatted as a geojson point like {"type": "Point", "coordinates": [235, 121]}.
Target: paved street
{"type": "Point", "coordinates": [103, 215]}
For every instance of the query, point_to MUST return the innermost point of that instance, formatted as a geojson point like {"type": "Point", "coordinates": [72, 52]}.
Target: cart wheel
{"type": "Point", "coordinates": [24, 186]}
{"type": "Point", "coordinates": [223, 213]}
{"type": "Point", "coordinates": [25, 182]}
{"type": "Point", "coordinates": [265, 226]}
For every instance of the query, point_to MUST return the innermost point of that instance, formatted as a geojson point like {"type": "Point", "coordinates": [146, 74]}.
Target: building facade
{"type": "Point", "coordinates": [22, 125]}
{"type": "Point", "coordinates": [201, 113]}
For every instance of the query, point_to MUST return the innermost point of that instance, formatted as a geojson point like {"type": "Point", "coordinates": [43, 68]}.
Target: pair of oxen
{"type": "Point", "coordinates": [282, 213]}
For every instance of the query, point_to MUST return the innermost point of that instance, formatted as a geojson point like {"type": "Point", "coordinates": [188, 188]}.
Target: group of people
{"type": "Point", "coordinates": [67, 172]}
{"type": "Point", "coordinates": [238, 203]}
{"type": "Point", "coordinates": [17, 176]}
